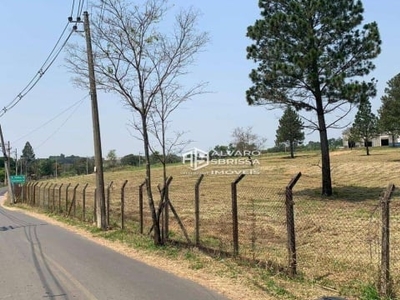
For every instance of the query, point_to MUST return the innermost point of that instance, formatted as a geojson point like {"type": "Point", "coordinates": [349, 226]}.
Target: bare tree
{"type": "Point", "coordinates": [245, 140]}
{"type": "Point", "coordinates": [136, 55]}
{"type": "Point", "coordinates": [171, 95]}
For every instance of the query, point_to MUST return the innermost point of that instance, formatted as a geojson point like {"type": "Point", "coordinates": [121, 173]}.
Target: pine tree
{"type": "Point", "coordinates": [27, 157]}
{"type": "Point", "coordinates": [311, 54]}
{"type": "Point", "coordinates": [389, 112]}
{"type": "Point", "coordinates": [365, 126]}
{"type": "Point", "coordinates": [290, 129]}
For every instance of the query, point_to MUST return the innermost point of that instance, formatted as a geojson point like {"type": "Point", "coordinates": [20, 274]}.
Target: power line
{"type": "Point", "coordinates": [62, 124]}
{"type": "Point", "coordinates": [43, 69]}
{"type": "Point", "coordinates": [72, 8]}
{"type": "Point", "coordinates": [80, 8]}
{"type": "Point", "coordinates": [51, 120]}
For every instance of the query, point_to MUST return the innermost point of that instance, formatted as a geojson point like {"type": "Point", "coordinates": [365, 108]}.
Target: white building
{"type": "Point", "coordinates": [378, 141]}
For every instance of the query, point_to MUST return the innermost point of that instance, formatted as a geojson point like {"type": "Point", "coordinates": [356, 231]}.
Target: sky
{"type": "Point", "coordinates": [55, 120]}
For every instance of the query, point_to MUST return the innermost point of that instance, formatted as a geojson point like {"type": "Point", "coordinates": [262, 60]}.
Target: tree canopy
{"type": "Point", "coordinates": [311, 55]}
{"type": "Point", "coordinates": [365, 126]}
{"type": "Point", "coordinates": [389, 112]}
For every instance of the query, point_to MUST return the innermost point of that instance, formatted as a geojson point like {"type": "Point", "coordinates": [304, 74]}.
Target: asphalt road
{"type": "Point", "coordinates": [43, 261]}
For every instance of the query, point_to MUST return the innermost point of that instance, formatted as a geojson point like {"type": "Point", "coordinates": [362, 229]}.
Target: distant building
{"type": "Point", "coordinates": [378, 141]}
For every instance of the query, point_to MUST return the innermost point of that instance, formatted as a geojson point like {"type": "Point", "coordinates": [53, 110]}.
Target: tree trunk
{"type": "Point", "coordinates": [366, 146]}
{"type": "Point", "coordinates": [326, 164]}
{"type": "Point", "coordinates": [393, 140]}
{"type": "Point", "coordinates": [291, 149]}
{"type": "Point", "coordinates": [154, 217]}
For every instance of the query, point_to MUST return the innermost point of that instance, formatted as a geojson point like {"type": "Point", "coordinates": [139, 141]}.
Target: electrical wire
{"type": "Point", "coordinates": [43, 69]}
{"type": "Point", "coordinates": [62, 124]}
{"type": "Point", "coordinates": [51, 120]}
{"type": "Point", "coordinates": [80, 8]}
{"type": "Point", "coordinates": [72, 8]}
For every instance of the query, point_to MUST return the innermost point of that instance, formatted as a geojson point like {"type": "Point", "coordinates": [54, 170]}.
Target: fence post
{"type": "Point", "coordinates": [39, 194]}
{"type": "Point", "coordinates": [84, 202]}
{"type": "Point", "coordinates": [197, 209]}
{"type": "Point", "coordinates": [73, 204]}
{"type": "Point", "coordinates": [165, 231]}
{"type": "Point", "coordinates": [28, 193]}
{"type": "Point", "coordinates": [385, 286]}
{"type": "Point", "coordinates": [44, 195]}
{"type": "Point", "coordinates": [66, 197]}
{"type": "Point", "coordinates": [291, 233]}
{"type": "Point", "coordinates": [108, 203]}
{"type": "Point", "coordinates": [141, 206]}
{"type": "Point", "coordinates": [53, 202]}
{"type": "Point", "coordinates": [123, 204]}
{"type": "Point", "coordinates": [235, 222]}
{"type": "Point", "coordinates": [34, 193]}
{"type": "Point", "coordinates": [59, 197]}
{"type": "Point", "coordinates": [48, 196]}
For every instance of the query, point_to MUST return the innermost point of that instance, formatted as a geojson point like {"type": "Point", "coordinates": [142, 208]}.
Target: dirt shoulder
{"type": "Point", "coordinates": [235, 289]}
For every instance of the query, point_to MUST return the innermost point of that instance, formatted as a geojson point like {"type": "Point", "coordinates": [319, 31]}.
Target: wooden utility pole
{"type": "Point", "coordinates": [7, 167]}
{"type": "Point", "coordinates": [98, 157]}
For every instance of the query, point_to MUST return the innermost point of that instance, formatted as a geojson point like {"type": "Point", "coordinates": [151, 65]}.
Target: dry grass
{"type": "Point", "coordinates": [338, 239]}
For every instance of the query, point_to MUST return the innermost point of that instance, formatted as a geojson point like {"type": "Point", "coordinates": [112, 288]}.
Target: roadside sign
{"type": "Point", "coordinates": [17, 179]}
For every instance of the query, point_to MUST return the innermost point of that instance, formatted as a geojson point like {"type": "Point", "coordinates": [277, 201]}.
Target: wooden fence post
{"type": "Point", "coordinates": [291, 233]}
{"type": "Point", "coordinates": [123, 204]}
{"type": "Point", "coordinates": [235, 221]}
{"type": "Point", "coordinates": [197, 208]}
{"type": "Point", "coordinates": [385, 282]}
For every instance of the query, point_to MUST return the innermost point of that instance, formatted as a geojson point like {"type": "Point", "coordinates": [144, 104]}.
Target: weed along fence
{"type": "Point", "coordinates": [290, 228]}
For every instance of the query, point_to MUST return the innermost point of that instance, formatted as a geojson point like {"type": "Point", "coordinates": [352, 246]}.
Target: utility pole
{"type": "Point", "coordinates": [56, 171]}
{"type": "Point", "coordinates": [98, 157]}
{"type": "Point", "coordinates": [7, 167]}
{"type": "Point", "coordinates": [16, 161]}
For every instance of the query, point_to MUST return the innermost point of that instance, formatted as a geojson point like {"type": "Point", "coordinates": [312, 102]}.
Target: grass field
{"type": "Point", "coordinates": [338, 238]}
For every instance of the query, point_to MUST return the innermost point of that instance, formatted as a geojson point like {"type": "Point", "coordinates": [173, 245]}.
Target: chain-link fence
{"type": "Point", "coordinates": [334, 243]}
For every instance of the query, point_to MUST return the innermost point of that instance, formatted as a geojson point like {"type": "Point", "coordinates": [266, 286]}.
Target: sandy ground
{"type": "Point", "coordinates": [234, 289]}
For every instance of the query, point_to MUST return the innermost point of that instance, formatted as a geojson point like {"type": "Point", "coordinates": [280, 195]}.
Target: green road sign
{"type": "Point", "coordinates": [17, 178]}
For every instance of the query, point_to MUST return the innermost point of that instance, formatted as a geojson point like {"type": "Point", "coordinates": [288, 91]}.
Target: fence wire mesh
{"type": "Point", "coordinates": [338, 242]}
